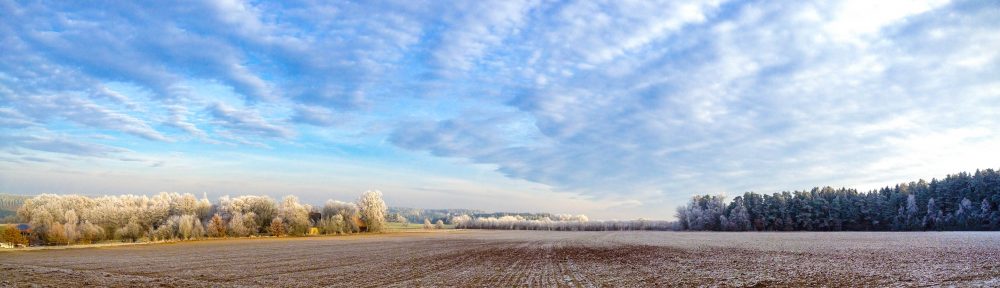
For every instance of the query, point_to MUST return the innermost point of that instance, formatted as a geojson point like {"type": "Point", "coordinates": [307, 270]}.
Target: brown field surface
{"type": "Point", "coordinates": [527, 258]}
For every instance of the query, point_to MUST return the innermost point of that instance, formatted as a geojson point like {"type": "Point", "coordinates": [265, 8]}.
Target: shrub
{"type": "Point", "coordinates": [277, 227]}
{"type": "Point", "coordinates": [216, 228]}
{"type": "Point", "coordinates": [12, 235]}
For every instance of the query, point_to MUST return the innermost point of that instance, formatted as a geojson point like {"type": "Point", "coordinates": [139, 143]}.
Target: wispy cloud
{"type": "Point", "coordinates": [60, 145]}
{"type": "Point", "coordinates": [246, 122]}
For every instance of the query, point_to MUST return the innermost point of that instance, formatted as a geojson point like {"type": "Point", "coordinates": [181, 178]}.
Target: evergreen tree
{"type": "Point", "coordinates": [949, 204]}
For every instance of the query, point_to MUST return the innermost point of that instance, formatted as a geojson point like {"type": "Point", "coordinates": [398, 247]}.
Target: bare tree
{"type": "Point", "coordinates": [439, 224]}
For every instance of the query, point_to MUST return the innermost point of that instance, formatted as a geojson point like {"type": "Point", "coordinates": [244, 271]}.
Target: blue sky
{"type": "Point", "coordinates": [615, 109]}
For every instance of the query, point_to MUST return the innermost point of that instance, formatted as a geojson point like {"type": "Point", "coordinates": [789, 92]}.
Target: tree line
{"type": "Point", "coordinates": [8, 207]}
{"type": "Point", "coordinates": [557, 222]}
{"type": "Point", "coordinates": [71, 219]}
{"type": "Point", "coordinates": [11, 202]}
{"type": "Point", "coordinates": [417, 215]}
{"type": "Point", "coordinates": [959, 202]}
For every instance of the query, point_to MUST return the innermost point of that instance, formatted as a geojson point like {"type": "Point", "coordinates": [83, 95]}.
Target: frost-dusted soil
{"type": "Point", "coordinates": [528, 258]}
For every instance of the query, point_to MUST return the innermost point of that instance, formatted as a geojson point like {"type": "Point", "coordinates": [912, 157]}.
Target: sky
{"type": "Point", "coordinates": [614, 109]}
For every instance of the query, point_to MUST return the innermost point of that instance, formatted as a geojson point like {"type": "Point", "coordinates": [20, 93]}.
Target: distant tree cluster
{"type": "Point", "coordinates": [557, 223]}
{"type": "Point", "coordinates": [417, 215]}
{"type": "Point", "coordinates": [959, 202]}
{"type": "Point", "coordinates": [8, 207]}
{"type": "Point", "coordinates": [71, 219]}
{"type": "Point", "coordinates": [11, 202]}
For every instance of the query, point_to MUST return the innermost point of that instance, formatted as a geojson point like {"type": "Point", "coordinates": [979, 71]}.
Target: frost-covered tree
{"type": "Point", "coordinates": [427, 224]}
{"type": "Point", "coordinates": [349, 213]}
{"type": "Point", "coordinates": [460, 220]}
{"type": "Point", "coordinates": [295, 215]}
{"type": "Point", "coordinates": [185, 226]}
{"type": "Point", "coordinates": [204, 207]}
{"type": "Point", "coordinates": [242, 225]}
{"type": "Point", "coordinates": [965, 216]}
{"type": "Point", "coordinates": [199, 229]}
{"type": "Point", "coordinates": [518, 222]}
{"type": "Point", "coordinates": [439, 224]}
{"type": "Point", "coordinates": [111, 213]}
{"type": "Point", "coordinates": [90, 233]}
{"type": "Point", "coordinates": [164, 232]}
{"type": "Point", "coordinates": [399, 218]}
{"type": "Point", "coordinates": [934, 216]}
{"type": "Point", "coordinates": [703, 213]}
{"type": "Point", "coordinates": [263, 208]}
{"type": "Point", "coordinates": [189, 227]}
{"type": "Point", "coordinates": [373, 210]}
{"type": "Point", "coordinates": [72, 234]}
{"type": "Point", "coordinates": [739, 217]}
{"type": "Point", "coordinates": [333, 225]}
{"type": "Point", "coordinates": [132, 230]}
{"type": "Point", "coordinates": [683, 222]}
{"type": "Point", "coordinates": [912, 221]}
{"type": "Point", "coordinates": [56, 234]}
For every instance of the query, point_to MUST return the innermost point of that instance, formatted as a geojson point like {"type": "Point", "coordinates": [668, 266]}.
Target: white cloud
{"type": "Point", "coordinates": [855, 19]}
{"type": "Point", "coordinates": [246, 122]}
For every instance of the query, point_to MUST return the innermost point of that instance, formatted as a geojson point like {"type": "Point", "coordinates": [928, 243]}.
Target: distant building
{"type": "Point", "coordinates": [25, 229]}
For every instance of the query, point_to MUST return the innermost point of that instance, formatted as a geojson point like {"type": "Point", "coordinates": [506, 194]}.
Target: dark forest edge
{"type": "Point", "coordinates": [959, 202]}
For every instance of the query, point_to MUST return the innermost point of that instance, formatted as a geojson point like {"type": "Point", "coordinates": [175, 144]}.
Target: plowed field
{"type": "Point", "coordinates": [527, 258]}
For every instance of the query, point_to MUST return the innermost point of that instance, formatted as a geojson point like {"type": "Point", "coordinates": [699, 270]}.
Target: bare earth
{"type": "Point", "coordinates": [528, 258]}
